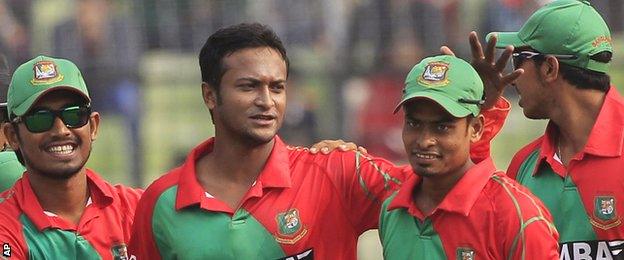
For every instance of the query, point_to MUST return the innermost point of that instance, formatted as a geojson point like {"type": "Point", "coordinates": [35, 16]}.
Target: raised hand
{"type": "Point", "coordinates": [491, 73]}
{"type": "Point", "coordinates": [327, 146]}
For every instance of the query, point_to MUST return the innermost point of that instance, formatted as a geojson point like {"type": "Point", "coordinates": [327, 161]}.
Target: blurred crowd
{"type": "Point", "coordinates": [348, 57]}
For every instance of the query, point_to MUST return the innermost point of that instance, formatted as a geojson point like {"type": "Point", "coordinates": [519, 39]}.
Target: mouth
{"type": "Point", "coordinates": [61, 150]}
{"type": "Point", "coordinates": [263, 119]}
{"type": "Point", "coordinates": [425, 157]}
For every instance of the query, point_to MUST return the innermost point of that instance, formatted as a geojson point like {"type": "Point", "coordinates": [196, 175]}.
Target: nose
{"type": "Point", "coordinates": [264, 98]}
{"type": "Point", "coordinates": [425, 139]}
{"type": "Point", "coordinates": [59, 127]}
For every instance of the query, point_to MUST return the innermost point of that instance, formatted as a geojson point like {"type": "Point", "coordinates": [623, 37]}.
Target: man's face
{"type": "Point", "coordinates": [60, 152]}
{"type": "Point", "coordinates": [534, 96]}
{"type": "Point", "coordinates": [252, 95]}
{"type": "Point", "coordinates": [437, 144]}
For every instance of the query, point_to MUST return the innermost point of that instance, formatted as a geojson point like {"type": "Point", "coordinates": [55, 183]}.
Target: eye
{"type": "Point", "coordinates": [443, 127]}
{"type": "Point", "coordinates": [278, 88]}
{"type": "Point", "coordinates": [411, 124]}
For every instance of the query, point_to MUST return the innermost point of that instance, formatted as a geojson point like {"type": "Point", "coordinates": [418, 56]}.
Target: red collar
{"type": "Point", "coordinates": [276, 174]}
{"type": "Point", "coordinates": [605, 139]}
{"type": "Point", "coordinates": [101, 196]}
{"type": "Point", "coordinates": [460, 198]}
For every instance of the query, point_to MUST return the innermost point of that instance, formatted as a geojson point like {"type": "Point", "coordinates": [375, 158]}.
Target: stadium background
{"type": "Point", "coordinates": [348, 61]}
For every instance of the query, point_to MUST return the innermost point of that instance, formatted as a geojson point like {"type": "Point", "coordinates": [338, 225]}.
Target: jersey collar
{"type": "Point", "coordinates": [101, 196]}
{"type": "Point", "coordinates": [460, 198]}
{"type": "Point", "coordinates": [275, 174]}
{"type": "Point", "coordinates": [605, 139]}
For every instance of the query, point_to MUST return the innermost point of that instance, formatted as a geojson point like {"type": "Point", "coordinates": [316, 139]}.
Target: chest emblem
{"type": "Point", "coordinates": [465, 253]}
{"type": "Point", "coordinates": [289, 227]}
{"type": "Point", "coordinates": [605, 213]}
{"type": "Point", "coordinates": [120, 252]}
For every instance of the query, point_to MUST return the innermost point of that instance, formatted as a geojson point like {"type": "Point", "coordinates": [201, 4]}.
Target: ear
{"type": "Point", "coordinates": [210, 95]}
{"type": "Point", "coordinates": [475, 128]}
{"type": "Point", "coordinates": [550, 69]}
{"type": "Point", "coordinates": [11, 135]}
{"type": "Point", "coordinates": [94, 123]}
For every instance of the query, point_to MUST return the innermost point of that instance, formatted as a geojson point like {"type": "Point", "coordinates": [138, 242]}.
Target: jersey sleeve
{"type": "Point", "coordinates": [494, 121]}
{"type": "Point", "coordinates": [363, 182]}
{"type": "Point", "coordinates": [142, 244]}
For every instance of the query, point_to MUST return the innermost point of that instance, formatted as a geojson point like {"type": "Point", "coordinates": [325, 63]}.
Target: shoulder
{"type": "Point", "coordinates": [10, 213]}
{"type": "Point", "coordinates": [512, 201]}
{"type": "Point", "coordinates": [521, 156]}
{"type": "Point", "coordinates": [160, 185]}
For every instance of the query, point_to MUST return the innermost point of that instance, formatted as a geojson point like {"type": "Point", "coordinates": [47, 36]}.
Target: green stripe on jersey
{"type": "Point", "coordinates": [54, 243]}
{"type": "Point", "coordinates": [404, 237]}
{"type": "Point", "coordinates": [194, 233]}
{"type": "Point", "coordinates": [561, 197]}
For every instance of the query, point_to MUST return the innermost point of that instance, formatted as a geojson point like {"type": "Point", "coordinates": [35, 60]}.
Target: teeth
{"type": "Point", "coordinates": [61, 149]}
{"type": "Point", "coordinates": [425, 156]}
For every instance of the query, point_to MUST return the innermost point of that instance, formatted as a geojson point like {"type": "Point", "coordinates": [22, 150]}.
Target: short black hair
{"type": "Point", "coordinates": [584, 78]}
{"type": "Point", "coordinates": [230, 39]}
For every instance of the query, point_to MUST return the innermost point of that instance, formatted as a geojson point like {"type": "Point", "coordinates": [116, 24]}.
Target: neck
{"type": "Point", "coordinates": [575, 113]}
{"type": "Point", "coordinates": [433, 189]}
{"type": "Point", "coordinates": [238, 162]}
{"type": "Point", "coordinates": [66, 198]}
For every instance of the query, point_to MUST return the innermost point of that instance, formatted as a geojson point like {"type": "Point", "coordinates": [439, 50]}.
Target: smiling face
{"type": "Point", "coordinates": [438, 144]}
{"type": "Point", "coordinates": [250, 102]}
{"type": "Point", "coordinates": [60, 152]}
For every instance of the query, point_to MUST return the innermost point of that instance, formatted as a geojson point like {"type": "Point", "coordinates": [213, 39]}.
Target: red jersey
{"type": "Point", "coordinates": [486, 215]}
{"type": "Point", "coordinates": [29, 232]}
{"type": "Point", "coordinates": [301, 205]}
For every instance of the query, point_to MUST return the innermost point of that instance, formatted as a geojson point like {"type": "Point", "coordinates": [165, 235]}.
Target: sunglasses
{"type": "Point", "coordinates": [42, 120]}
{"type": "Point", "coordinates": [517, 58]}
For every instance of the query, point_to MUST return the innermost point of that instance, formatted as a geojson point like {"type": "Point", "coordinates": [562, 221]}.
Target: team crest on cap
{"type": "Point", "coordinates": [46, 72]}
{"type": "Point", "coordinates": [120, 252]}
{"type": "Point", "coordinates": [605, 212]}
{"type": "Point", "coordinates": [289, 227]}
{"type": "Point", "coordinates": [435, 74]}
{"type": "Point", "coordinates": [465, 253]}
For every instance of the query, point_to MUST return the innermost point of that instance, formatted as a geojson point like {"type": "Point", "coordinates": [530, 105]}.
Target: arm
{"type": "Point", "coordinates": [142, 244]}
{"type": "Point", "coordinates": [12, 246]}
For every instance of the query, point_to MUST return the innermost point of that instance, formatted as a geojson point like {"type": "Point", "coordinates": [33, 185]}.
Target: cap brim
{"type": "Point", "coordinates": [505, 39]}
{"type": "Point", "coordinates": [26, 105]}
{"type": "Point", "coordinates": [450, 105]}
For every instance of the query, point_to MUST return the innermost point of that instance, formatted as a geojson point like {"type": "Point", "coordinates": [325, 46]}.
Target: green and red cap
{"type": "Point", "coordinates": [449, 81]}
{"type": "Point", "coordinates": [39, 76]}
{"type": "Point", "coordinates": [564, 27]}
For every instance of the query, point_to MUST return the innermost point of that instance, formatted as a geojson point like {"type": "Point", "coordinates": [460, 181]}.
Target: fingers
{"type": "Point", "coordinates": [326, 146]}
{"type": "Point", "coordinates": [475, 46]}
{"type": "Point", "coordinates": [446, 50]}
{"type": "Point", "coordinates": [362, 150]}
{"type": "Point", "coordinates": [490, 49]}
{"type": "Point", "coordinates": [501, 63]}
{"type": "Point", "coordinates": [511, 77]}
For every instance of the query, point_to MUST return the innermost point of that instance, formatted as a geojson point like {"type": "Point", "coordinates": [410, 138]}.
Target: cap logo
{"type": "Point", "coordinates": [45, 73]}
{"type": "Point", "coordinates": [435, 74]}
{"type": "Point", "coordinates": [600, 40]}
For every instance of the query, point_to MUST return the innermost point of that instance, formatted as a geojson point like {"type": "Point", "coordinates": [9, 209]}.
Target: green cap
{"type": "Point", "coordinates": [564, 27]}
{"type": "Point", "coordinates": [40, 76]}
{"type": "Point", "coordinates": [447, 80]}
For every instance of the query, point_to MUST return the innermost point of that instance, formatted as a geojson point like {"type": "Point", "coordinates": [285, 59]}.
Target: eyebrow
{"type": "Point", "coordinates": [255, 80]}
{"type": "Point", "coordinates": [443, 120]}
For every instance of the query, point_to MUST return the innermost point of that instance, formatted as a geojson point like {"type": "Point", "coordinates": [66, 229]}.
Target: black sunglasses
{"type": "Point", "coordinates": [42, 120]}
{"type": "Point", "coordinates": [517, 58]}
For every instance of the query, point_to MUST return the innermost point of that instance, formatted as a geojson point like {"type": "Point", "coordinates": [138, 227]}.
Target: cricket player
{"type": "Point", "coordinates": [59, 209]}
{"type": "Point", "coordinates": [452, 207]}
{"type": "Point", "coordinates": [245, 194]}
{"type": "Point", "coordinates": [561, 57]}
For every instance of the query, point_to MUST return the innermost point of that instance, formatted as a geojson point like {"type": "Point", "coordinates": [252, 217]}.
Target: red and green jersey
{"type": "Point", "coordinates": [301, 206]}
{"type": "Point", "coordinates": [486, 215]}
{"type": "Point", "coordinates": [29, 232]}
{"type": "Point", "coordinates": [586, 197]}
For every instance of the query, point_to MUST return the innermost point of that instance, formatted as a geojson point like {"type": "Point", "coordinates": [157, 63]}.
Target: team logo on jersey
{"type": "Point", "coordinates": [465, 253]}
{"type": "Point", "coordinates": [120, 252]}
{"type": "Point", "coordinates": [435, 74]}
{"type": "Point", "coordinates": [605, 213]}
{"type": "Point", "coordinates": [289, 227]}
{"type": "Point", "coordinates": [45, 73]}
